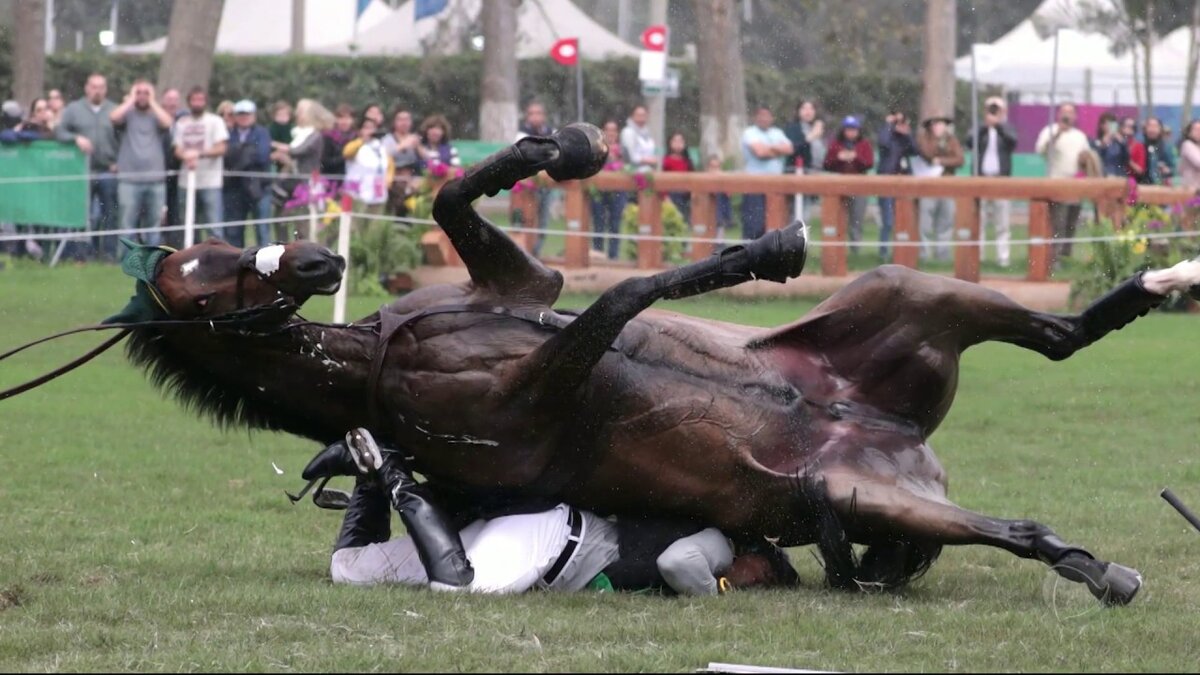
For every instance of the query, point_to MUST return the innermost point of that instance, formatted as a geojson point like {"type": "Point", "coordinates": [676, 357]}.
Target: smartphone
{"type": "Point", "coordinates": [1113, 126]}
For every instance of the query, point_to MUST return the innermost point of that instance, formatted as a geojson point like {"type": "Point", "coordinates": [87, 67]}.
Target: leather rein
{"type": "Point", "coordinates": [239, 319]}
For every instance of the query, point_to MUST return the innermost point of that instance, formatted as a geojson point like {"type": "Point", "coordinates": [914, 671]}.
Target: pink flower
{"type": "Point", "coordinates": [438, 169]}
{"type": "Point", "coordinates": [640, 182]}
{"type": "Point", "coordinates": [615, 165]}
{"type": "Point", "coordinates": [1132, 195]}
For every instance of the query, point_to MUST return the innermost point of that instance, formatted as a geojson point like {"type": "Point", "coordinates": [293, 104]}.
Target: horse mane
{"type": "Point", "coordinates": [200, 392]}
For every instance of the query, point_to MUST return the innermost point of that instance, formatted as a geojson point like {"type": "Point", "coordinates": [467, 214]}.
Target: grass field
{"type": "Point", "coordinates": [136, 537]}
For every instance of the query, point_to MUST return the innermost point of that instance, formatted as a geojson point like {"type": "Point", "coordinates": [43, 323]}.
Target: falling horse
{"type": "Point", "coordinates": [814, 432]}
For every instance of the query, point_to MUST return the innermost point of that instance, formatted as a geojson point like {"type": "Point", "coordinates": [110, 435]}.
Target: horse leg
{"type": "Point", "coordinates": [879, 512]}
{"type": "Point", "coordinates": [562, 363]}
{"type": "Point", "coordinates": [494, 261]}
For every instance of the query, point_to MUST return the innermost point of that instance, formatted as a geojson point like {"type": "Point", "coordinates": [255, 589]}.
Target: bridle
{"type": "Point", "coordinates": [243, 320]}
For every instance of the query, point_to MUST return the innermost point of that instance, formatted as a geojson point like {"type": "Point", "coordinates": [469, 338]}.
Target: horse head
{"type": "Point", "coordinates": [214, 279]}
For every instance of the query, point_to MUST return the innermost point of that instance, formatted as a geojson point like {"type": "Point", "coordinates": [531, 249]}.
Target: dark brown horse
{"type": "Point", "coordinates": [814, 432]}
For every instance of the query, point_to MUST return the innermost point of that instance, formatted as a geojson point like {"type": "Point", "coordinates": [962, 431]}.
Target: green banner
{"type": "Point", "coordinates": [59, 198]}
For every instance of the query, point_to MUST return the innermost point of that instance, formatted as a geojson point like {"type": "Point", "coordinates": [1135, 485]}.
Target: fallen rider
{"type": "Point", "coordinates": [514, 549]}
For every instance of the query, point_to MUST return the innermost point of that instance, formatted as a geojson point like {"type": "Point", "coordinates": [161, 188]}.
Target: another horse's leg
{"type": "Point", "coordinates": [875, 510]}
{"type": "Point", "coordinates": [494, 261]}
{"type": "Point", "coordinates": [564, 361]}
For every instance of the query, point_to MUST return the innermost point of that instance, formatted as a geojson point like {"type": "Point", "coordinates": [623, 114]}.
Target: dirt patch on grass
{"type": "Point", "coordinates": [12, 596]}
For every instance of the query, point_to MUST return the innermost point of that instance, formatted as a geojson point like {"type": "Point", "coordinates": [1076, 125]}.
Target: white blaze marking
{"type": "Point", "coordinates": [189, 267]}
{"type": "Point", "coordinates": [266, 261]}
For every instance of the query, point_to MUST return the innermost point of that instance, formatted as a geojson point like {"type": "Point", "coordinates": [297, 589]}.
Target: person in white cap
{"type": "Point", "coordinates": [248, 151]}
{"type": "Point", "coordinates": [996, 141]}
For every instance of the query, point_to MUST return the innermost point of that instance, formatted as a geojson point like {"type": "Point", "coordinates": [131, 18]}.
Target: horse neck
{"type": "Point", "coordinates": [310, 381]}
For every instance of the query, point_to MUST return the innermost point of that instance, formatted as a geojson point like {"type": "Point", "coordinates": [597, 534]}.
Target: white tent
{"type": "Point", "coordinates": [1023, 60]}
{"type": "Point", "coordinates": [539, 24]}
{"type": "Point", "coordinates": [253, 27]}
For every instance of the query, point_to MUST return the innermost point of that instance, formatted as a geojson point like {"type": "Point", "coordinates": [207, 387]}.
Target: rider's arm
{"type": "Point", "coordinates": [691, 565]}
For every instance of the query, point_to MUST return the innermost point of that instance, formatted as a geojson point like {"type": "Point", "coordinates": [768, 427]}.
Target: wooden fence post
{"type": "Point", "coordinates": [906, 233]}
{"type": "Point", "coordinates": [704, 224]}
{"type": "Point", "coordinates": [833, 231]}
{"type": "Point", "coordinates": [649, 253]}
{"type": "Point", "coordinates": [777, 211]}
{"type": "Point", "coordinates": [966, 229]}
{"type": "Point", "coordinates": [523, 212]}
{"type": "Point", "coordinates": [575, 208]}
{"type": "Point", "coordinates": [1040, 234]}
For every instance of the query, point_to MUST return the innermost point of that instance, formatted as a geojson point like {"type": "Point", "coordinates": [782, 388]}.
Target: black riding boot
{"type": "Point", "coordinates": [335, 460]}
{"type": "Point", "coordinates": [434, 535]}
{"type": "Point", "coordinates": [368, 520]}
{"type": "Point", "coordinates": [436, 539]}
{"type": "Point", "coordinates": [1115, 309]}
{"type": "Point", "coordinates": [777, 256]}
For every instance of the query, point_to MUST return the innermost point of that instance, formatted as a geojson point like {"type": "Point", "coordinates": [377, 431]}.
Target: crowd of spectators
{"type": "Point", "coordinates": [247, 166]}
{"type": "Point", "coordinates": [142, 152]}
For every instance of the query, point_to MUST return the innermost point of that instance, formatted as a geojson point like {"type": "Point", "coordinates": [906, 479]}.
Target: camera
{"type": "Point", "coordinates": [993, 109]}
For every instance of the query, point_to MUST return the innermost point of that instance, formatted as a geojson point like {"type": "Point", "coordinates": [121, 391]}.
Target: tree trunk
{"type": "Point", "coordinates": [498, 105]}
{"type": "Point", "coordinates": [191, 40]}
{"type": "Point", "coordinates": [937, 91]}
{"type": "Point", "coordinates": [29, 50]}
{"type": "Point", "coordinates": [1148, 63]}
{"type": "Point", "coordinates": [1193, 62]}
{"type": "Point", "coordinates": [722, 79]}
{"type": "Point", "coordinates": [297, 26]}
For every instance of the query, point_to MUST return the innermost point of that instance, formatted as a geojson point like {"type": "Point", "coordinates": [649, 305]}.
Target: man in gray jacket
{"type": "Point", "coordinates": [86, 122]}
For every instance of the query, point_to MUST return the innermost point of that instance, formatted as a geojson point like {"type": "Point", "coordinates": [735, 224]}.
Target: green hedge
{"type": "Point", "coordinates": [450, 85]}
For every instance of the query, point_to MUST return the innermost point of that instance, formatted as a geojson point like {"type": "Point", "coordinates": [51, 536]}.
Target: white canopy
{"type": "Point", "coordinates": [1023, 60]}
{"type": "Point", "coordinates": [539, 24]}
{"type": "Point", "coordinates": [255, 27]}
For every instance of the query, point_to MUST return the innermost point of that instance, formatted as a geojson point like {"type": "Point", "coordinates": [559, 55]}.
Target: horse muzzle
{"type": "Point", "coordinates": [316, 271]}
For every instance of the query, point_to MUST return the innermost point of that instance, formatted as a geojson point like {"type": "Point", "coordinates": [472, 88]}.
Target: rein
{"type": "Point", "coordinates": [238, 320]}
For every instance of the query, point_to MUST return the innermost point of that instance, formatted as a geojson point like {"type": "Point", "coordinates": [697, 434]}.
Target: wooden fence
{"type": "Point", "coordinates": [1110, 195]}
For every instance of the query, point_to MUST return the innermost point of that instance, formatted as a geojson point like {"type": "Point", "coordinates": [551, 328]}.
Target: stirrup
{"type": "Point", "coordinates": [365, 451]}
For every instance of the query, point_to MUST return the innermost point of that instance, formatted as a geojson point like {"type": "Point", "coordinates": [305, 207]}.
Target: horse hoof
{"type": "Point", "coordinates": [582, 152]}
{"type": "Point", "coordinates": [1118, 586]}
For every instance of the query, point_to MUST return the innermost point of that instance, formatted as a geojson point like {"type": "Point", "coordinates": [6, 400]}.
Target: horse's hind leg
{"type": "Point", "coordinates": [891, 518]}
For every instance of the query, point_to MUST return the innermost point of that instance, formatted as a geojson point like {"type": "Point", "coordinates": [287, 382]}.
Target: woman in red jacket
{"type": "Point", "coordinates": [851, 153]}
{"type": "Point", "coordinates": [678, 159]}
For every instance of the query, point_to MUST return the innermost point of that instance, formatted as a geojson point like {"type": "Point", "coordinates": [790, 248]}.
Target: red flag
{"type": "Point", "coordinates": [566, 51]}
{"type": "Point", "coordinates": [654, 38]}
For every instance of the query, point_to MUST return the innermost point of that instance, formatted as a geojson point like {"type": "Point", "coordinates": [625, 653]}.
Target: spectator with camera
{"type": "Point", "coordinates": [996, 141]}
{"type": "Point", "coordinates": [1062, 143]}
{"type": "Point", "coordinates": [140, 160]}
{"type": "Point", "coordinates": [895, 148]}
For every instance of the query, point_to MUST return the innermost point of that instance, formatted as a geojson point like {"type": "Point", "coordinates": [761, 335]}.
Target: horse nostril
{"type": "Point", "coordinates": [312, 267]}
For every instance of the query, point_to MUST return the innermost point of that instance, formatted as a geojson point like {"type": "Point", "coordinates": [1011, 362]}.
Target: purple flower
{"type": "Point", "coordinates": [640, 182]}
{"type": "Point", "coordinates": [438, 169]}
{"type": "Point", "coordinates": [1132, 194]}
{"type": "Point", "coordinates": [1154, 225]}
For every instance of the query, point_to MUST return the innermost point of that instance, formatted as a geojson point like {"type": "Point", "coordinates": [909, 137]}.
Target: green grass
{"type": "Point", "coordinates": [136, 537]}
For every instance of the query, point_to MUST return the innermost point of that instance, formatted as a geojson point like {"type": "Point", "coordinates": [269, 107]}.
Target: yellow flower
{"type": "Point", "coordinates": [1140, 247]}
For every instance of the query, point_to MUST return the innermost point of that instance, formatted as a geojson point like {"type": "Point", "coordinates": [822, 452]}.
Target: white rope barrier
{"type": "Point", "coordinates": [814, 243]}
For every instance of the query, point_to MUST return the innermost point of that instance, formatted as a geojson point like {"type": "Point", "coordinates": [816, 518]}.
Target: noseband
{"type": "Point", "coordinates": [242, 319]}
